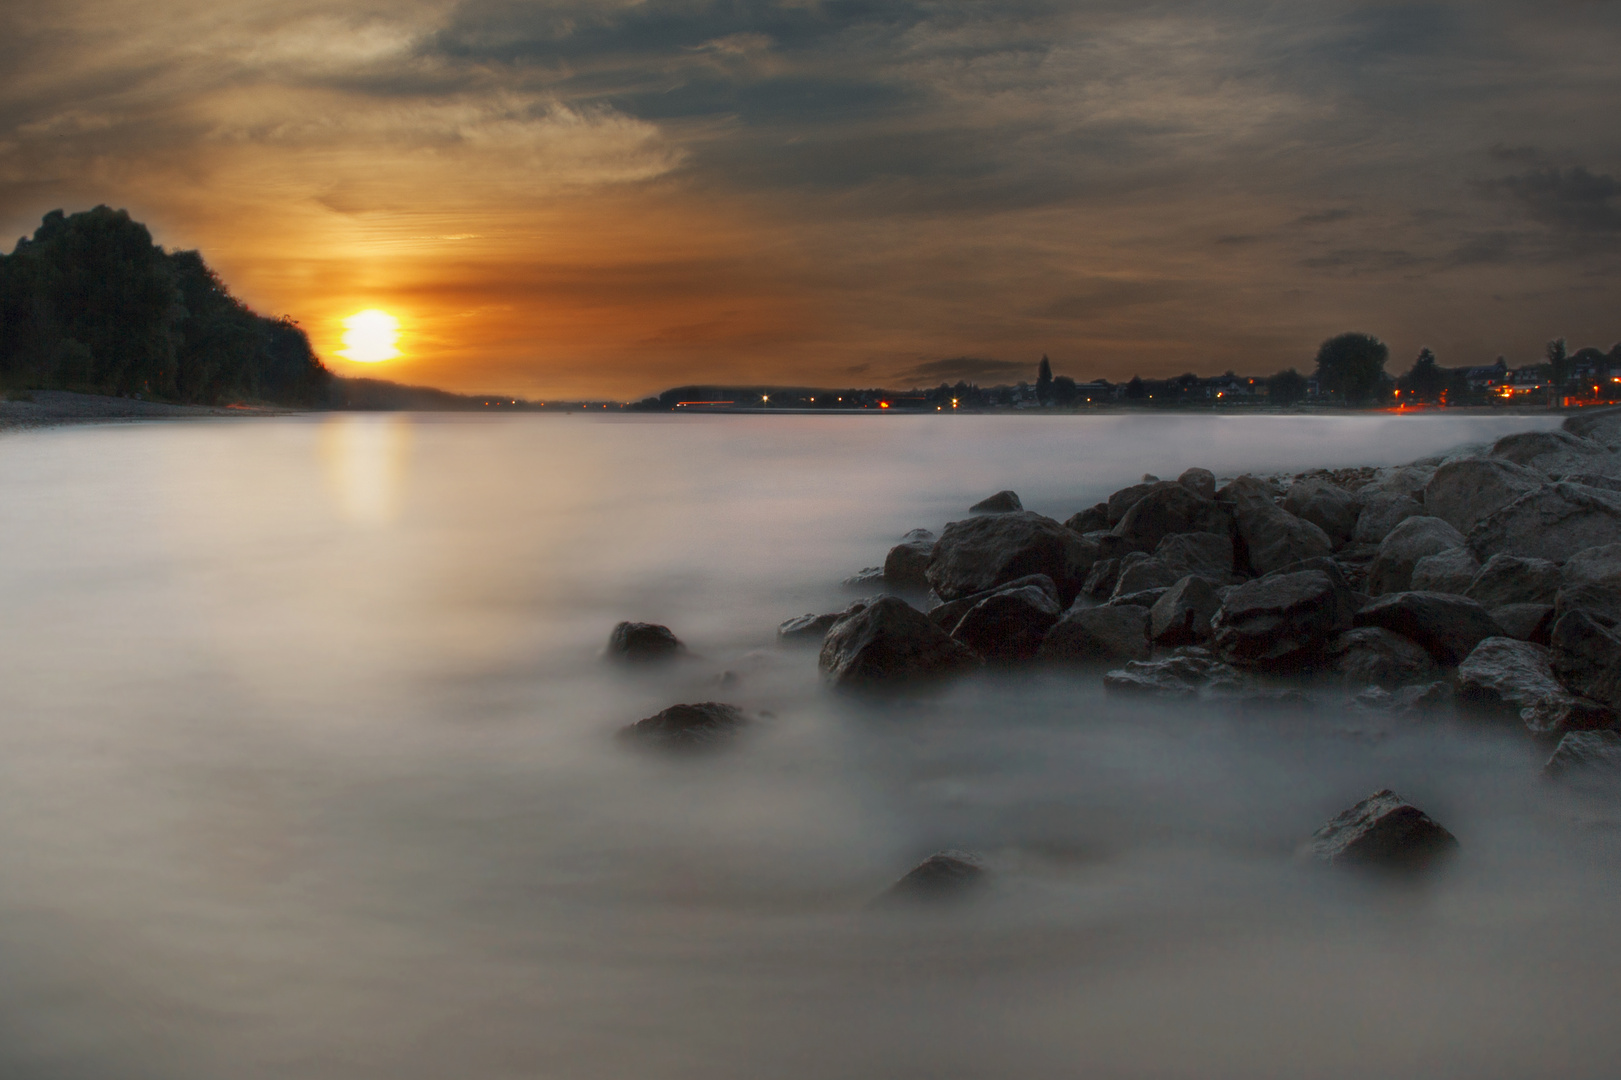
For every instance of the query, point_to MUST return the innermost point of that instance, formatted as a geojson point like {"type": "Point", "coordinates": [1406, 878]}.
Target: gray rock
{"type": "Point", "coordinates": [907, 565]}
{"type": "Point", "coordinates": [1207, 555]}
{"type": "Point", "coordinates": [1382, 512]}
{"type": "Point", "coordinates": [1590, 752]}
{"type": "Point", "coordinates": [1124, 500]}
{"type": "Point", "coordinates": [1555, 453]}
{"type": "Point", "coordinates": [1604, 483]}
{"type": "Point", "coordinates": [1551, 717]}
{"type": "Point", "coordinates": [1003, 502]}
{"type": "Point", "coordinates": [1182, 675]}
{"type": "Point", "coordinates": [1143, 598]}
{"type": "Point", "coordinates": [1100, 581]}
{"type": "Point", "coordinates": [1182, 616]}
{"type": "Point", "coordinates": [1602, 426]}
{"type": "Point", "coordinates": [1139, 574]}
{"type": "Point", "coordinates": [1448, 627]}
{"type": "Point", "coordinates": [811, 629]}
{"type": "Point", "coordinates": [1110, 546]}
{"type": "Point", "coordinates": [1272, 537]}
{"type": "Point", "coordinates": [1592, 583]}
{"type": "Point", "coordinates": [1382, 830]}
{"type": "Point", "coordinates": [1467, 490]}
{"type": "Point", "coordinates": [1325, 505]}
{"type": "Point", "coordinates": [1586, 657]}
{"type": "Point", "coordinates": [1513, 579]}
{"type": "Point", "coordinates": [1450, 571]}
{"type": "Point", "coordinates": [1092, 519]}
{"type": "Point", "coordinates": [915, 536]}
{"type": "Point", "coordinates": [1416, 537]}
{"type": "Point", "coordinates": [640, 643]}
{"type": "Point", "coordinates": [890, 643]}
{"type": "Point", "coordinates": [1505, 674]}
{"type": "Point", "coordinates": [1280, 621]}
{"type": "Point", "coordinates": [1100, 633]}
{"type": "Point", "coordinates": [980, 553]}
{"type": "Point", "coordinates": [866, 578]}
{"type": "Point", "coordinates": [945, 875]}
{"type": "Point", "coordinates": [1409, 480]}
{"type": "Point", "coordinates": [1553, 522]}
{"type": "Point", "coordinates": [1168, 508]}
{"type": "Point", "coordinates": [1372, 654]}
{"type": "Point", "coordinates": [1008, 625]}
{"type": "Point", "coordinates": [947, 615]}
{"type": "Point", "coordinates": [687, 727]}
{"type": "Point", "coordinates": [1202, 482]}
{"type": "Point", "coordinates": [1526, 622]}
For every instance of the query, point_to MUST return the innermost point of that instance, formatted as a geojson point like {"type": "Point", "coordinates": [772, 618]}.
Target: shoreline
{"type": "Point", "coordinates": [57, 408]}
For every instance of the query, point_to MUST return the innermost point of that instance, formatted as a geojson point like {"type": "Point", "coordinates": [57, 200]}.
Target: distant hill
{"type": "Point", "coordinates": [382, 395]}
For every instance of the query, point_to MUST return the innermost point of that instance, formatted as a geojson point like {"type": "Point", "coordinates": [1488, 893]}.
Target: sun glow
{"type": "Point", "coordinates": [369, 337]}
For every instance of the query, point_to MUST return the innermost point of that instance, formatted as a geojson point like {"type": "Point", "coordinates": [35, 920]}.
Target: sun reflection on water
{"type": "Point", "coordinates": [366, 459]}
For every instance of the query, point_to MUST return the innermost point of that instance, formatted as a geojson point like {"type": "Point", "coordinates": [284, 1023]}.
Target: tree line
{"type": "Point", "coordinates": [91, 304]}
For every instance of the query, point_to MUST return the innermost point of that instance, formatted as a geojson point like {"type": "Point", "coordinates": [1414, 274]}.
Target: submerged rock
{"type": "Point", "coordinates": [890, 643]}
{"type": "Point", "coordinates": [1383, 831]}
{"type": "Point", "coordinates": [1553, 522]}
{"type": "Point", "coordinates": [1280, 621]}
{"type": "Point", "coordinates": [980, 553]}
{"type": "Point", "coordinates": [1099, 633]}
{"type": "Point", "coordinates": [1589, 752]}
{"type": "Point", "coordinates": [945, 875]}
{"type": "Point", "coordinates": [1003, 502]}
{"type": "Point", "coordinates": [1009, 624]}
{"type": "Point", "coordinates": [639, 642]}
{"type": "Point", "coordinates": [1448, 627]}
{"type": "Point", "coordinates": [687, 727]}
{"type": "Point", "coordinates": [1412, 540]}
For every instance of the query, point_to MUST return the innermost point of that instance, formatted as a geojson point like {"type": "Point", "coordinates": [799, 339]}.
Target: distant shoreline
{"type": "Point", "coordinates": [54, 408]}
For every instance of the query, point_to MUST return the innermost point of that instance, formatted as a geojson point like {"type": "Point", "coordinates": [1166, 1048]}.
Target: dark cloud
{"type": "Point", "coordinates": [1574, 199]}
{"type": "Point", "coordinates": [966, 369]}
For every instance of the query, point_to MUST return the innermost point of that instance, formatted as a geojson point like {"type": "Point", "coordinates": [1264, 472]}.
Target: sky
{"type": "Point", "coordinates": [577, 199]}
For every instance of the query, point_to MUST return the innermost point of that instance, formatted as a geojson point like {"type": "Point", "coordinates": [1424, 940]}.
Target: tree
{"type": "Point", "coordinates": [1286, 387]}
{"type": "Point", "coordinates": [1426, 380]}
{"type": "Point", "coordinates": [1558, 362]}
{"type": "Point", "coordinates": [1135, 390]}
{"type": "Point", "coordinates": [1351, 366]}
{"type": "Point", "coordinates": [1044, 381]}
{"type": "Point", "coordinates": [1064, 392]}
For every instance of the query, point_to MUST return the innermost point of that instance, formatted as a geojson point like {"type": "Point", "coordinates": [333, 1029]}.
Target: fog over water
{"type": "Point", "coordinates": [307, 770]}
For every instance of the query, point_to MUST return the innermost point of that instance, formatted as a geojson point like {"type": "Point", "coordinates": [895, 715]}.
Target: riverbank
{"type": "Point", "coordinates": [49, 408]}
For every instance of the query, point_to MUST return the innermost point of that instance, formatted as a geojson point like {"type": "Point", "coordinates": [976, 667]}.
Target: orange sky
{"type": "Point", "coordinates": [609, 198]}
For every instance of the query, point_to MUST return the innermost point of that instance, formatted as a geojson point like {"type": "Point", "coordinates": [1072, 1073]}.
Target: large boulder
{"type": "Point", "coordinates": [1507, 675]}
{"type": "Point", "coordinates": [1168, 508]}
{"type": "Point", "coordinates": [1588, 754]}
{"type": "Point", "coordinates": [1092, 519]}
{"type": "Point", "coordinates": [1514, 579]}
{"type": "Point", "coordinates": [1327, 506]}
{"type": "Point", "coordinates": [1008, 625]}
{"type": "Point", "coordinates": [980, 553]}
{"type": "Point", "coordinates": [1003, 502]}
{"type": "Point", "coordinates": [1382, 512]}
{"type": "Point", "coordinates": [1586, 657]}
{"type": "Point", "coordinates": [1592, 583]}
{"type": "Point", "coordinates": [1372, 655]}
{"type": "Point", "coordinates": [1208, 555]}
{"type": "Point", "coordinates": [907, 565]}
{"type": "Point", "coordinates": [1202, 482]}
{"type": "Point", "coordinates": [1553, 522]}
{"type": "Point", "coordinates": [812, 629]}
{"type": "Point", "coordinates": [1412, 540]}
{"type": "Point", "coordinates": [1555, 453]}
{"type": "Point", "coordinates": [1450, 571]}
{"type": "Point", "coordinates": [1526, 622]}
{"type": "Point", "coordinates": [1408, 480]}
{"type": "Point", "coordinates": [641, 643]}
{"type": "Point", "coordinates": [1448, 627]}
{"type": "Point", "coordinates": [1099, 633]}
{"type": "Point", "coordinates": [1182, 616]}
{"type": "Point", "coordinates": [1280, 621]}
{"type": "Point", "coordinates": [1385, 831]}
{"type": "Point", "coordinates": [1124, 499]}
{"type": "Point", "coordinates": [1272, 537]}
{"type": "Point", "coordinates": [1101, 579]}
{"type": "Point", "coordinates": [947, 615]}
{"type": "Point", "coordinates": [1466, 490]}
{"type": "Point", "coordinates": [889, 643]}
{"type": "Point", "coordinates": [687, 727]}
{"type": "Point", "coordinates": [1602, 426]}
{"type": "Point", "coordinates": [1139, 575]}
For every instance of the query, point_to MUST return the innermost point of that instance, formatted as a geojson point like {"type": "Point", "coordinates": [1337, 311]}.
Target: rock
{"type": "Point", "coordinates": [1450, 571]}
{"type": "Point", "coordinates": [1008, 625]}
{"type": "Point", "coordinates": [1592, 583]}
{"type": "Point", "coordinates": [1414, 538]}
{"type": "Point", "coordinates": [1181, 675]}
{"type": "Point", "coordinates": [1124, 500]}
{"type": "Point", "coordinates": [1602, 426]}
{"type": "Point", "coordinates": [907, 565]}
{"type": "Point", "coordinates": [1512, 579]}
{"type": "Point", "coordinates": [1003, 502]}
{"type": "Point", "coordinates": [687, 727]}
{"type": "Point", "coordinates": [1382, 512]}
{"type": "Point", "coordinates": [1382, 830]}
{"type": "Point", "coordinates": [1280, 621]}
{"type": "Point", "coordinates": [813, 628]}
{"type": "Point", "coordinates": [1168, 508]}
{"type": "Point", "coordinates": [1526, 622]}
{"type": "Point", "coordinates": [1207, 555]}
{"type": "Point", "coordinates": [1593, 566]}
{"type": "Point", "coordinates": [1372, 654]}
{"type": "Point", "coordinates": [915, 536]}
{"type": "Point", "coordinates": [1143, 598]}
{"type": "Point", "coordinates": [983, 552]}
{"type": "Point", "coordinates": [1464, 491]}
{"type": "Point", "coordinates": [1586, 657]}
{"type": "Point", "coordinates": [1330, 508]}
{"type": "Point", "coordinates": [1101, 580]}
{"type": "Point", "coordinates": [865, 578]}
{"type": "Point", "coordinates": [640, 642]}
{"type": "Point", "coordinates": [1555, 453]}
{"type": "Point", "coordinates": [1553, 522]}
{"type": "Point", "coordinates": [1144, 573]}
{"type": "Point", "coordinates": [1448, 627]}
{"type": "Point", "coordinates": [890, 642]}
{"type": "Point", "coordinates": [1604, 483]}
{"type": "Point", "coordinates": [1272, 537]}
{"type": "Point", "coordinates": [1092, 519]}
{"type": "Point", "coordinates": [1099, 633]}
{"type": "Point", "coordinates": [1409, 480]}
{"type": "Point", "coordinates": [1111, 546]}
{"type": "Point", "coordinates": [1202, 482]}
{"type": "Point", "coordinates": [1506, 674]}
{"type": "Point", "coordinates": [1182, 616]}
{"type": "Point", "coordinates": [1592, 752]}
{"type": "Point", "coordinates": [947, 615]}
{"type": "Point", "coordinates": [1551, 717]}
{"type": "Point", "coordinates": [945, 875]}
{"type": "Point", "coordinates": [1147, 684]}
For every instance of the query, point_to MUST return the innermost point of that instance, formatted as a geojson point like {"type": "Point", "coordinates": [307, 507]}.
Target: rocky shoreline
{"type": "Point", "coordinates": [52, 408]}
{"type": "Point", "coordinates": [1487, 582]}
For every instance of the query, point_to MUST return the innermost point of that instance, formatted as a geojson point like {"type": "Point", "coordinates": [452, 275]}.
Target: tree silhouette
{"type": "Point", "coordinates": [1135, 390]}
{"type": "Point", "coordinates": [1427, 379]}
{"type": "Point", "coordinates": [1558, 362]}
{"type": "Point", "coordinates": [1044, 380]}
{"type": "Point", "coordinates": [1286, 387]}
{"type": "Point", "coordinates": [1351, 366]}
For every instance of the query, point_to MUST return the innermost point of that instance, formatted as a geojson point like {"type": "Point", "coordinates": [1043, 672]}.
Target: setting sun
{"type": "Point", "coordinates": [369, 337]}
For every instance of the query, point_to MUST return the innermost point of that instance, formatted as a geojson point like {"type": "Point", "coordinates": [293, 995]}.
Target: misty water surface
{"type": "Point", "coordinates": [307, 770]}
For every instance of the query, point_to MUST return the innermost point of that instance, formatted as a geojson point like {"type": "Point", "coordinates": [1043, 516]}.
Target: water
{"type": "Point", "coordinates": [306, 770]}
